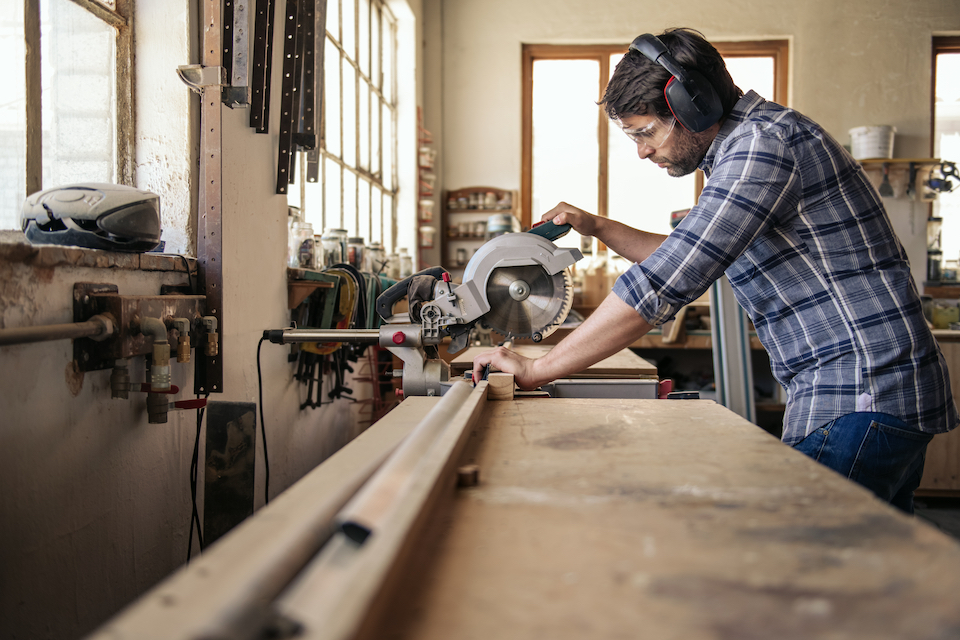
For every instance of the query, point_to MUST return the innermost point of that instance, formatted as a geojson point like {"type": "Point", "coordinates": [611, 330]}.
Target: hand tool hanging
{"type": "Point", "coordinates": [235, 53]}
{"type": "Point", "coordinates": [262, 55]}
{"type": "Point", "coordinates": [298, 86]}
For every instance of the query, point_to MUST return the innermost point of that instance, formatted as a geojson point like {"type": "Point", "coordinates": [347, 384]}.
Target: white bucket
{"type": "Point", "coordinates": [872, 142]}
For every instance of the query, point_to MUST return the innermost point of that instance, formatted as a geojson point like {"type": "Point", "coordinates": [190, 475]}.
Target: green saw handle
{"type": "Point", "coordinates": [549, 230]}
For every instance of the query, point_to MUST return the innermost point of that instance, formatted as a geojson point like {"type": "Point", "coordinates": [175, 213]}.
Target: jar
{"type": "Point", "coordinates": [479, 229]}
{"type": "Point", "coordinates": [490, 200]}
{"type": "Point", "coordinates": [426, 237]}
{"type": "Point", "coordinates": [306, 249]}
{"type": "Point", "coordinates": [393, 266]}
{"type": "Point", "coordinates": [334, 246]}
{"type": "Point", "coordinates": [355, 248]}
{"type": "Point", "coordinates": [461, 257]}
{"type": "Point", "coordinates": [406, 264]}
{"type": "Point", "coordinates": [374, 258]}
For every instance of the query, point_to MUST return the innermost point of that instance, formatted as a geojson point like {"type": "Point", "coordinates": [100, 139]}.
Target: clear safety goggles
{"type": "Point", "coordinates": [654, 134]}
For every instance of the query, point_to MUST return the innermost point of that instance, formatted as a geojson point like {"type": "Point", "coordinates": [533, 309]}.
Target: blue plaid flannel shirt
{"type": "Point", "coordinates": [804, 239]}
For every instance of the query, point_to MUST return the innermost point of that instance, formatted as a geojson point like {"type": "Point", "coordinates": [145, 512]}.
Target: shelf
{"type": "Point", "coordinates": [481, 211]}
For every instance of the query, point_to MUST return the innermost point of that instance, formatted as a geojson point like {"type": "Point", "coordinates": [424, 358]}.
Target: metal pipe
{"type": "Point", "coordinates": [286, 336]}
{"type": "Point", "coordinates": [99, 326]}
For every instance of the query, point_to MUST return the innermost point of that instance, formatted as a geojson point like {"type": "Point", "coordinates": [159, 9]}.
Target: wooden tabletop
{"type": "Point", "coordinates": [667, 519]}
{"type": "Point", "coordinates": [624, 363]}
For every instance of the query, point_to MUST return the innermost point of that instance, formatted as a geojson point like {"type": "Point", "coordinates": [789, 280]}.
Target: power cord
{"type": "Point", "coordinates": [263, 431]}
{"type": "Point", "coordinates": [194, 468]}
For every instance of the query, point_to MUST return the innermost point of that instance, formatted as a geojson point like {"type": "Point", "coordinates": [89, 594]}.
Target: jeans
{"type": "Point", "coordinates": [876, 450]}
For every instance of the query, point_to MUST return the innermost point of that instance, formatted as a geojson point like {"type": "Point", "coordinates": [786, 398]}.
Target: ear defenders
{"type": "Point", "coordinates": [690, 96]}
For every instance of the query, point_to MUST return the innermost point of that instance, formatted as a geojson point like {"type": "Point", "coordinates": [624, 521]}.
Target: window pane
{"type": "Point", "coordinates": [388, 144]}
{"type": "Point", "coordinates": [331, 191]}
{"type": "Point", "coordinates": [388, 242]}
{"type": "Point", "coordinates": [375, 54]}
{"type": "Point", "coordinates": [363, 58]}
{"type": "Point", "coordinates": [331, 98]}
{"type": "Point", "coordinates": [78, 54]}
{"type": "Point", "coordinates": [333, 18]}
{"type": "Point", "coordinates": [565, 146]}
{"type": "Point", "coordinates": [364, 129]}
{"type": "Point", "coordinates": [375, 141]}
{"type": "Point", "coordinates": [348, 11]}
{"type": "Point", "coordinates": [13, 124]}
{"type": "Point", "coordinates": [363, 209]}
{"type": "Point", "coordinates": [349, 114]}
{"type": "Point", "coordinates": [755, 73]}
{"type": "Point", "coordinates": [350, 202]}
{"type": "Point", "coordinates": [947, 146]}
{"type": "Point", "coordinates": [376, 215]}
{"type": "Point", "coordinates": [389, 45]}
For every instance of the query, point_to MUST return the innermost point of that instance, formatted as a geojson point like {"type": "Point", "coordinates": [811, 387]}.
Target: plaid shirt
{"type": "Point", "coordinates": [804, 239]}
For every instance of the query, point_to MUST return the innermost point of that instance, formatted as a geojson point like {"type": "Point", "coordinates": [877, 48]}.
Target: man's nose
{"type": "Point", "coordinates": [644, 151]}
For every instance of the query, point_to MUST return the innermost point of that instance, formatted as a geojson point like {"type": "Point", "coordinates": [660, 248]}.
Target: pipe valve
{"type": "Point", "coordinates": [182, 325]}
{"type": "Point", "coordinates": [211, 345]}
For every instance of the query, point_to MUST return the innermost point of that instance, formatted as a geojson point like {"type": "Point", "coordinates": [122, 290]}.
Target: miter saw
{"type": "Point", "coordinates": [517, 284]}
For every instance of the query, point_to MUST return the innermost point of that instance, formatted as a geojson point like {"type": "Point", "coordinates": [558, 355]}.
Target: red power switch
{"type": "Point", "coordinates": [399, 338]}
{"type": "Point", "coordinates": [445, 277]}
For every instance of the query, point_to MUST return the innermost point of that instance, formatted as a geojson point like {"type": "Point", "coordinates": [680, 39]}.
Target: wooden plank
{"type": "Point", "coordinates": [343, 588]}
{"type": "Point", "coordinates": [624, 363]}
{"type": "Point", "coordinates": [224, 593]}
{"type": "Point", "coordinates": [602, 518]}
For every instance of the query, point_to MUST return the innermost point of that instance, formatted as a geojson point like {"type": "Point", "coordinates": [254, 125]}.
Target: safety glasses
{"type": "Point", "coordinates": [654, 134]}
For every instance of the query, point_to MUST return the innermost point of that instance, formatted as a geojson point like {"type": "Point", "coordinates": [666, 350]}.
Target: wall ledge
{"type": "Point", "coordinates": [15, 248]}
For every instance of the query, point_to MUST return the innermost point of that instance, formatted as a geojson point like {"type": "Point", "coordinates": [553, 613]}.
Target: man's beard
{"type": "Point", "coordinates": [688, 150]}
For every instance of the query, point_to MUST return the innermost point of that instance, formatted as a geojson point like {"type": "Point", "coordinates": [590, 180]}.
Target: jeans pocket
{"type": "Point", "coordinates": [887, 453]}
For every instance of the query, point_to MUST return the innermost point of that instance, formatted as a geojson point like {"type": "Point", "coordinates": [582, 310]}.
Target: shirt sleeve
{"type": "Point", "coordinates": [754, 185]}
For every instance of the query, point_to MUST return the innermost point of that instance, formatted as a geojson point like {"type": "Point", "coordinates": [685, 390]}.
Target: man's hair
{"type": "Point", "coordinates": [636, 87]}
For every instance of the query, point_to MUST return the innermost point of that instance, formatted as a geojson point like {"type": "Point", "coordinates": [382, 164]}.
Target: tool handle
{"type": "Point", "coordinates": [549, 230]}
{"type": "Point", "coordinates": [388, 298]}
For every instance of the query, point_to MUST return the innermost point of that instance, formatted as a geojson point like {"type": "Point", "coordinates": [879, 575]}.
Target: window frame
{"type": "Point", "coordinates": [382, 19]}
{"type": "Point", "coordinates": [124, 123]}
{"type": "Point", "coordinates": [940, 44]}
{"type": "Point", "coordinates": [777, 49]}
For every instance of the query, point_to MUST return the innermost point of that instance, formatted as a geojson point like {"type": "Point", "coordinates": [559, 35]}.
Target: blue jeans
{"type": "Point", "coordinates": [876, 450]}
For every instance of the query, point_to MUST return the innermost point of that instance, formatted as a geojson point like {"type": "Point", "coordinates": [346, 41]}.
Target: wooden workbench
{"type": "Point", "coordinates": [664, 519]}
{"type": "Point", "coordinates": [624, 363]}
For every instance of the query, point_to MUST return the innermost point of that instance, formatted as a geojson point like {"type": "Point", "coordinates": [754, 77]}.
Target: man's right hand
{"type": "Point", "coordinates": [582, 222]}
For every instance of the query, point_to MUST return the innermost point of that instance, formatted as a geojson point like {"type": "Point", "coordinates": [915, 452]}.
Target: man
{"type": "Point", "coordinates": [789, 216]}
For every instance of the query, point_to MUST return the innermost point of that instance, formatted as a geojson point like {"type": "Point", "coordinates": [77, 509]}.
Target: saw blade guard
{"type": "Point", "coordinates": [508, 250]}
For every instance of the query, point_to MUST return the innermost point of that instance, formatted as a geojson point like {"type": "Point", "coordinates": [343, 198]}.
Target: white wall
{"type": "Point", "coordinates": [853, 63]}
{"type": "Point", "coordinates": [95, 503]}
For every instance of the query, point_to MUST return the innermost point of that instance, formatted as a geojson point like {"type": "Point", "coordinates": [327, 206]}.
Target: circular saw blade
{"type": "Point", "coordinates": [526, 301]}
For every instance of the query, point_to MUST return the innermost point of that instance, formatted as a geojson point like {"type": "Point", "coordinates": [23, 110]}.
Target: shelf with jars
{"type": "Point", "coordinates": [471, 216]}
{"type": "Point", "coordinates": [426, 227]}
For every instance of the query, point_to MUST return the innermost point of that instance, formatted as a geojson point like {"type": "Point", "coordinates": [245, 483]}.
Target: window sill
{"type": "Point", "coordinates": [15, 248]}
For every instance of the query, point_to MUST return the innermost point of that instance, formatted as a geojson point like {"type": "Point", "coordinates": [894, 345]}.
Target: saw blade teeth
{"type": "Point", "coordinates": [540, 311]}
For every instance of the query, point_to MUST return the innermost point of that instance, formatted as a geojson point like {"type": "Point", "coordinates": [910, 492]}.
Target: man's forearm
{"type": "Point", "coordinates": [613, 326]}
{"type": "Point", "coordinates": [633, 244]}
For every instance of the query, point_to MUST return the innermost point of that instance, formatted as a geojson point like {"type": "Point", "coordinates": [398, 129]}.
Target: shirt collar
{"type": "Point", "coordinates": [746, 104]}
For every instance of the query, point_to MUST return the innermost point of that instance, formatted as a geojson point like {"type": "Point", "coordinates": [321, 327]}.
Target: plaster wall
{"type": "Point", "coordinates": [96, 502]}
{"type": "Point", "coordinates": [852, 63]}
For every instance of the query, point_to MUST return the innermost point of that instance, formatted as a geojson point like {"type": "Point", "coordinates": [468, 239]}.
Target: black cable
{"type": "Point", "coordinates": [263, 431]}
{"type": "Point", "coordinates": [194, 467]}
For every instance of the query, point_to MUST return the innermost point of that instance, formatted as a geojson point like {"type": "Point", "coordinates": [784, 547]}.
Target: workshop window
{"type": "Point", "coordinates": [572, 154]}
{"type": "Point", "coordinates": [60, 115]}
{"type": "Point", "coordinates": [946, 141]}
{"type": "Point", "coordinates": [356, 187]}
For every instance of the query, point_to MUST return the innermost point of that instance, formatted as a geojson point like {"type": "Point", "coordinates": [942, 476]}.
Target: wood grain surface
{"type": "Point", "coordinates": [665, 519]}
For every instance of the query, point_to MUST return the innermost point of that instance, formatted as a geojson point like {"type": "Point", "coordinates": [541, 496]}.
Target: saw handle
{"type": "Point", "coordinates": [549, 230]}
{"type": "Point", "coordinates": [388, 298]}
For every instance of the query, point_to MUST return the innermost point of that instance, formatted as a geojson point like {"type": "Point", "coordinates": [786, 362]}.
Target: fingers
{"type": "Point", "coordinates": [564, 213]}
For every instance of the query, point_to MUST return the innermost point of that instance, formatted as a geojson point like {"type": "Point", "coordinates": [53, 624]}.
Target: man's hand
{"type": "Point", "coordinates": [523, 369]}
{"type": "Point", "coordinates": [632, 244]}
{"type": "Point", "coordinates": [582, 222]}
